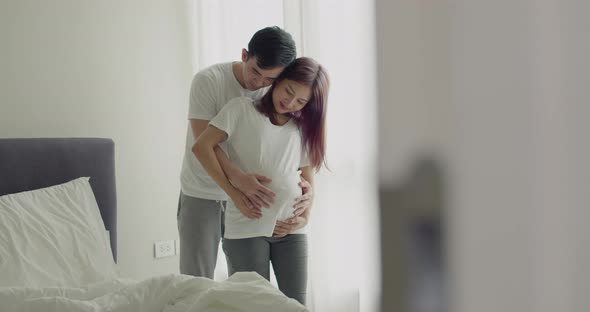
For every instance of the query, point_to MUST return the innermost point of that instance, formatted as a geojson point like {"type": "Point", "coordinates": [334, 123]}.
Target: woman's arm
{"type": "Point", "coordinates": [204, 150]}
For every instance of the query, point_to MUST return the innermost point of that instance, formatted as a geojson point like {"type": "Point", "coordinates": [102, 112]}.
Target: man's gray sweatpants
{"type": "Point", "coordinates": [200, 227]}
{"type": "Point", "coordinates": [288, 256]}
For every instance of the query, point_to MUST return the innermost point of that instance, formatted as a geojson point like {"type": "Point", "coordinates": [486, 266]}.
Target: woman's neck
{"type": "Point", "coordinates": [282, 119]}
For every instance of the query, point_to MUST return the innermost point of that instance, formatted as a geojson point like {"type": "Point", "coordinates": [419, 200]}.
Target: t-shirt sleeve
{"type": "Point", "coordinates": [227, 118]}
{"type": "Point", "coordinates": [202, 98]}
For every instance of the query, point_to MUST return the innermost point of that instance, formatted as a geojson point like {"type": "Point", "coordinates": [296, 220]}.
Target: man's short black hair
{"type": "Point", "coordinates": [272, 47]}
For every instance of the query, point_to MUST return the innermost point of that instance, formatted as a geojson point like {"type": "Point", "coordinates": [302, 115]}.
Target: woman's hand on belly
{"type": "Point", "coordinates": [288, 226]}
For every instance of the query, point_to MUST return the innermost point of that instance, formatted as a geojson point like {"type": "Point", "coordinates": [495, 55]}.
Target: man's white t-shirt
{"type": "Point", "coordinates": [254, 144]}
{"type": "Point", "coordinates": [211, 89]}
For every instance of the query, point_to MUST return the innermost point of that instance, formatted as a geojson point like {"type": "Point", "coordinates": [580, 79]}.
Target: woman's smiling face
{"type": "Point", "coordinates": [289, 96]}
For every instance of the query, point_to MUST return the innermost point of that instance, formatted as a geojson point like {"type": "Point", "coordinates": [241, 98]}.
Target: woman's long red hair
{"type": "Point", "coordinates": [311, 119]}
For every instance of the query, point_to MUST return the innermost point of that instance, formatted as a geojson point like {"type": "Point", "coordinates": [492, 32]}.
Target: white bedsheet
{"type": "Point", "coordinates": [245, 291]}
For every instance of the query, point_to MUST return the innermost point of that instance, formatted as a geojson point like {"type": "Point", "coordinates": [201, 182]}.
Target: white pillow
{"type": "Point", "coordinates": [53, 236]}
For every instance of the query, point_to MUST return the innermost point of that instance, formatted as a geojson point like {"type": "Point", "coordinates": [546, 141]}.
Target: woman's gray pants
{"type": "Point", "coordinates": [288, 256]}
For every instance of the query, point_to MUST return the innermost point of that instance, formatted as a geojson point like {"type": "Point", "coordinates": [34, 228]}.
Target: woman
{"type": "Point", "coordinates": [281, 137]}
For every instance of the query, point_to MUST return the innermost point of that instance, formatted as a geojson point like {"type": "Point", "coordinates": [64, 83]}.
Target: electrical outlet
{"type": "Point", "coordinates": [164, 249]}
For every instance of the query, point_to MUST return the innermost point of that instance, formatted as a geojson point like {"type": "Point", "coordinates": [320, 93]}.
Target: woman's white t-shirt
{"type": "Point", "coordinates": [254, 144]}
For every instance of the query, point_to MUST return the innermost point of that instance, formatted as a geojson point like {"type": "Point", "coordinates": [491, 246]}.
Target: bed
{"type": "Point", "coordinates": [58, 240]}
{"type": "Point", "coordinates": [30, 164]}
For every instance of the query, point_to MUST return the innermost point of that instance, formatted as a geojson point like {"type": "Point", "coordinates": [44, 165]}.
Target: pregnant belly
{"type": "Point", "coordinates": [287, 189]}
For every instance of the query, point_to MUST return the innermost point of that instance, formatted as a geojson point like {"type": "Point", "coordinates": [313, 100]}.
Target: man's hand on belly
{"type": "Point", "coordinates": [243, 204]}
{"type": "Point", "coordinates": [304, 201]}
{"type": "Point", "coordinates": [250, 185]}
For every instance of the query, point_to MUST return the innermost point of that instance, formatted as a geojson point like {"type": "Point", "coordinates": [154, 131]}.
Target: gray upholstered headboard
{"type": "Point", "coordinates": [28, 164]}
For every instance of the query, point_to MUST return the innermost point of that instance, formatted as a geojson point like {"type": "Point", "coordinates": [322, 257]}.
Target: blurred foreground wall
{"type": "Point", "coordinates": [496, 92]}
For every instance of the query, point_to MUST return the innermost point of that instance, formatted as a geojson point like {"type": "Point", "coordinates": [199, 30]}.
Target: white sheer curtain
{"type": "Point", "coordinates": [344, 240]}
{"type": "Point", "coordinates": [224, 27]}
{"type": "Point", "coordinates": [343, 266]}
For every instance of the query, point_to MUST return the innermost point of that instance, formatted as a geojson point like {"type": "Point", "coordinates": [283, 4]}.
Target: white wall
{"type": "Point", "coordinates": [512, 132]}
{"type": "Point", "coordinates": [116, 69]}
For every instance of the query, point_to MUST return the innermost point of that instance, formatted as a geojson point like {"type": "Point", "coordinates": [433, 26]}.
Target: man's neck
{"type": "Point", "coordinates": [237, 68]}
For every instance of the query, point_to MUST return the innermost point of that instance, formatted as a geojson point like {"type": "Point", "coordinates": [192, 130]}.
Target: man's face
{"type": "Point", "coordinates": [256, 77]}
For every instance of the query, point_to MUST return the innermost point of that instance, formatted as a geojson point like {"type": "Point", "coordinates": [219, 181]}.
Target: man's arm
{"type": "Point", "coordinates": [250, 184]}
{"type": "Point", "coordinates": [303, 203]}
{"type": "Point", "coordinates": [204, 150]}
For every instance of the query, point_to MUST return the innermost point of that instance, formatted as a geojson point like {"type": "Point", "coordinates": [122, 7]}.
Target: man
{"type": "Point", "coordinates": [201, 205]}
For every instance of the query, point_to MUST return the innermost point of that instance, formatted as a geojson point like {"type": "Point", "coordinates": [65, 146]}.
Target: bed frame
{"type": "Point", "coordinates": [28, 164]}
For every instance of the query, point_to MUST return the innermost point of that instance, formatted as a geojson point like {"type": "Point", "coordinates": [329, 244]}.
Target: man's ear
{"type": "Point", "coordinates": [244, 55]}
